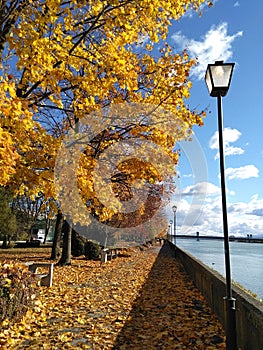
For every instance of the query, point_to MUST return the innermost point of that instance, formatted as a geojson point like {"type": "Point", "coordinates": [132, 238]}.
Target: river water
{"type": "Point", "coordinates": [246, 260]}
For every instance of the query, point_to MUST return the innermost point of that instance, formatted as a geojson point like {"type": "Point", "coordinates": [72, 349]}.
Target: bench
{"type": "Point", "coordinates": [161, 241]}
{"type": "Point", "coordinates": [108, 254]}
{"type": "Point", "coordinates": [45, 279]}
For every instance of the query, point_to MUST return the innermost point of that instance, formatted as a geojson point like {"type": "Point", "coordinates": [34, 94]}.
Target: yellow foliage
{"type": "Point", "coordinates": [61, 61]}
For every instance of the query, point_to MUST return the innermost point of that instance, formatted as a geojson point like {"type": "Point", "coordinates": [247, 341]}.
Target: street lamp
{"type": "Point", "coordinates": [218, 77]}
{"type": "Point", "coordinates": [174, 207]}
{"type": "Point", "coordinates": [171, 225]}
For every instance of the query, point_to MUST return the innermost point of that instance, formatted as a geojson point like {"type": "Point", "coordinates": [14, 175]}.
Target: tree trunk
{"type": "Point", "coordinates": [47, 227]}
{"type": "Point", "coordinates": [4, 245]}
{"type": "Point", "coordinates": [46, 233]}
{"type": "Point", "coordinates": [57, 236]}
{"type": "Point", "coordinates": [66, 252]}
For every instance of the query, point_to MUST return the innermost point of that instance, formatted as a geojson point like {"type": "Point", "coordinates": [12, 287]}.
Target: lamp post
{"type": "Point", "coordinates": [171, 225]}
{"type": "Point", "coordinates": [218, 77]}
{"type": "Point", "coordinates": [168, 232]}
{"type": "Point", "coordinates": [174, 207]}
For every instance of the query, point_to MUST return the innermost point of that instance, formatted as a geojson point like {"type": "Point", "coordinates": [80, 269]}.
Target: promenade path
{"type": "Point", "coordinates": [144, 301]}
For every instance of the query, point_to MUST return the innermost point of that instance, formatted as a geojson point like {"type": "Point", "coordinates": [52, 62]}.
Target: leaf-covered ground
{"type": "Point", "coordinates": [145, 301]}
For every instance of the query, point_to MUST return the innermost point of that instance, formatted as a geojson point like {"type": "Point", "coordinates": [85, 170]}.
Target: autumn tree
{"type": "Point", "coordinates": [62, 61]}
{"type": "Point", "coordinates": [7, 218]}
{"type": "Point", "coordinates": [55, 254]}
{"type": "Point", "coordinates": [27, 212]}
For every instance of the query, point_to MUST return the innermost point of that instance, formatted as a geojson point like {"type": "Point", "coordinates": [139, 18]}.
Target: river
{"type": "Point", "coordinates": [246, 260]}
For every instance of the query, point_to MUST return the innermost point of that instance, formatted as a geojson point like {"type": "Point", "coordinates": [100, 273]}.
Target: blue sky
{"type": "Point", "coordinates": [229, 31]}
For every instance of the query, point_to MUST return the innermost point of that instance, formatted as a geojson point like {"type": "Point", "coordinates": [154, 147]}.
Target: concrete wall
{"type": "Point", "coordinates": [249, 311]}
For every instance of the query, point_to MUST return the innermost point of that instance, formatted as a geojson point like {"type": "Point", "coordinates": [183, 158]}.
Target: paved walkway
{"type": "Point", "coordinates": [145, 301]}
{"type": "Point", "coordinates": [170, 313]}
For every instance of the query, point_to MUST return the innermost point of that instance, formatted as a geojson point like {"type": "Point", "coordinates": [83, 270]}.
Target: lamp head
{"type": "Point", "coordinates": [218, 77]}
{"type": "Point", "coordinates": [174, 207]}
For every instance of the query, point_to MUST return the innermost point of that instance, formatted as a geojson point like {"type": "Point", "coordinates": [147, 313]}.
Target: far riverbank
{"type": "Point", "coordinates": [248, 239]}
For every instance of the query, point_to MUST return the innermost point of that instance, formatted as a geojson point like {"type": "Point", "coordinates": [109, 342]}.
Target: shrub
{"type": "Point", "coordinates": [92, 250]}
{"type": "Point", "coordinates": [17, 291]}
{"type": "Point", "coordinates": [78, 245]}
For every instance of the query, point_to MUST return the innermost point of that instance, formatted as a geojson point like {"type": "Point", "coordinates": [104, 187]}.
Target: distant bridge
{"type": "Point", "coordinates": [231, 238]}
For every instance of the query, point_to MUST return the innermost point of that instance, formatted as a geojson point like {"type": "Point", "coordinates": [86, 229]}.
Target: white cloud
{"type": "Point", "coordinates": [238, 208]}
{"type": "Point", "coordinates": [243, 217]}
{"type": "Point", "coordinates": [236, 4]}
{"type": "Point", "coordinates": [215, 45]}
{"type": "Point", "coordinates": [231, 193]}
{"type": "Point", "coordinates": [244, 172]}
{"type": "Point", "coordinates": [201, 189]}
{"type": "Point", "coordinates": [188, 175]}
{"type": "Point", "coordinates": [229, 136]}
{"type": "Point", "coordinates": [257, 212]}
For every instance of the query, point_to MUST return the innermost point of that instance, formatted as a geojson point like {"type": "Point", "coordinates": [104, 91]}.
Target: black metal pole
{"type": "Point", "coordinates": [169, 232]}
{"type": "Point", "coordinates": [231, 343]}
{"type": "Point", "coordinates": [175, 228]}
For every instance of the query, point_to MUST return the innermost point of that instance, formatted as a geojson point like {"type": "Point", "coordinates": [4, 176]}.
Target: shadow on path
{"type": "Point", "coordinates": [170, 313]}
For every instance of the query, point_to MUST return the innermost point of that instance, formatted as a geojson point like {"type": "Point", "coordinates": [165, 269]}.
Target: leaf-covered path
{"type": "Point", "coordinates": [145, 301]}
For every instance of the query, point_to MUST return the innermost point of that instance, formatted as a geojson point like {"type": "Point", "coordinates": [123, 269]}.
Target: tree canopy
{"type": "Point", "coordinates": [64, 64]}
